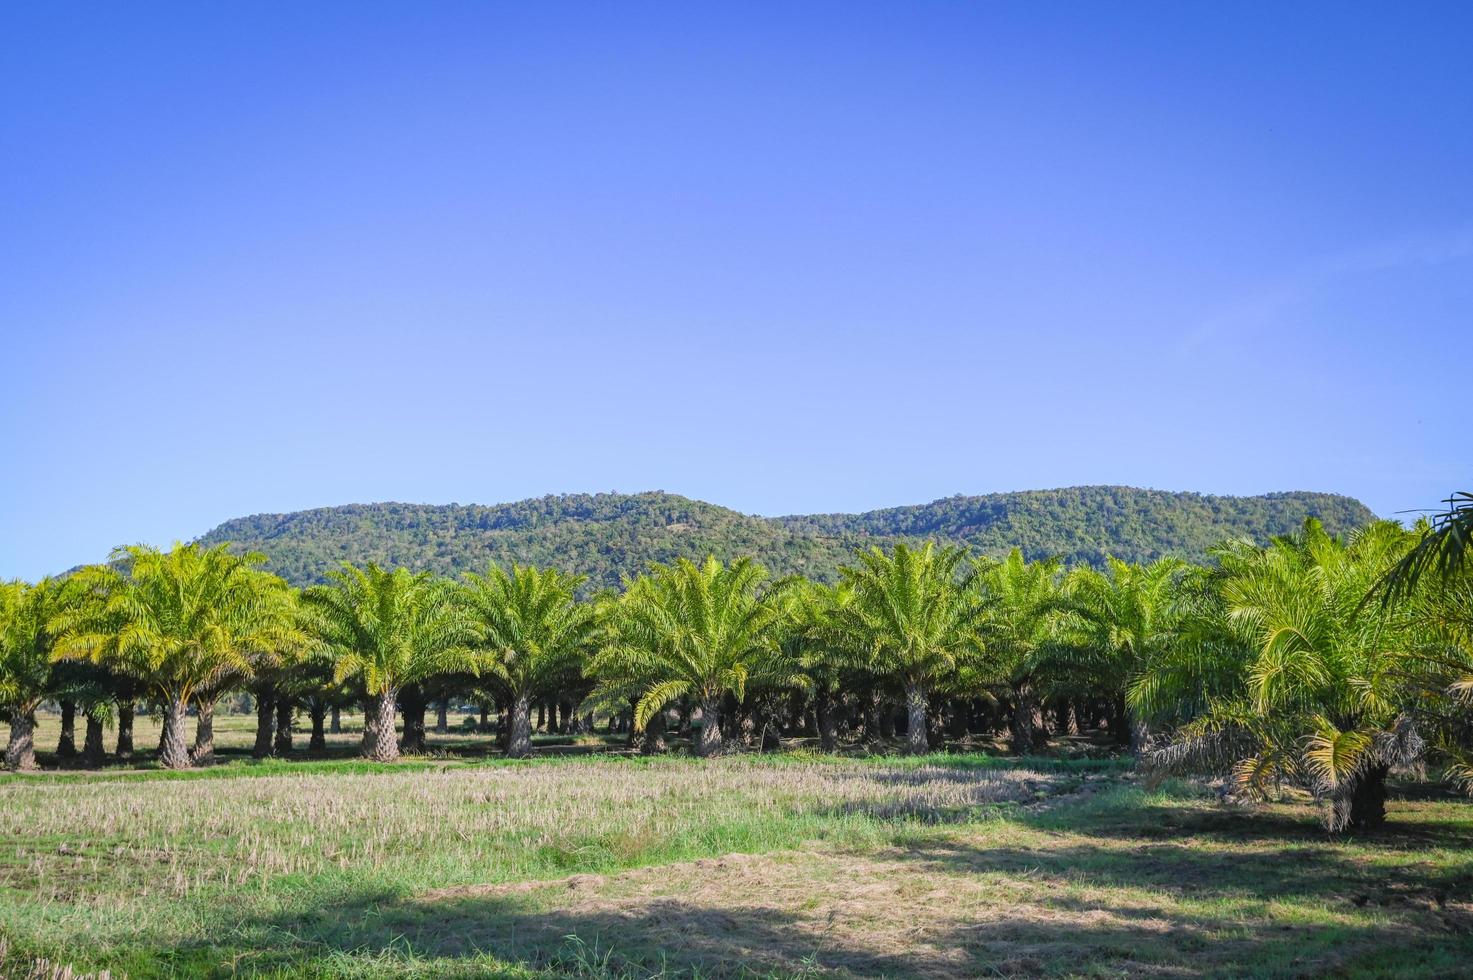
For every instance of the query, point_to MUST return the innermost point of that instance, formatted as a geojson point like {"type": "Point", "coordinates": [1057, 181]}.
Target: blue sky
{"type": "Point", "coordinates": [783, 257]}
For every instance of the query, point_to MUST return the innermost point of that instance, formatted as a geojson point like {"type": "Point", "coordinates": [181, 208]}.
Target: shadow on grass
{"type": "Point", "coordinates": [1230, 895]}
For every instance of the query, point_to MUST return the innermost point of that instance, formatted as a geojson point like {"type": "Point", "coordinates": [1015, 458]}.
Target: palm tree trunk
{"type": "Point", "coordinates": [335, 724]}
{"type": "Point", "coordinates": [93, 753]}
{"type": "Point", "coordinates": [709, 743]}
{"type": "Point", "coordinates": [654, 734]}
{"type": "Point", "coordinates": [828, 722]}
{"type": "Point", "coordinates": [173, 751]}
{"type": "Point", "coordinates": [66, 746]}
{"type": "Point", "coordinates": [204, 731]}
{"type": "Point", "coordinates": [485, 717]}
{"type": "Point", "coordinates": [519, 741]}
{"type": "Point", "coordinates": [1140, 736]}
{"type": "Point", "coordinates": [265, 709]}
{"type": "Point", "coordinates": [1363, 807]}
{"type": "Point", "coordinates": [20, 753]}
{"type": "Point", "coordinates": [412, 708]}
{"type": "Point", "coordinates": [282, 746]}
{"type": "Point", "coordinates": [384, 745]}
{"type": "Point", "coordinates": [318, 742]}
{"type": "Point", "coordinates": [125, 730]}
{"type": "Point", "coordinates": [1022, 722]}
{"type": "Point", "coordinates": [442, 717]}
{"type": "Point", "coordinates": [915, 729]}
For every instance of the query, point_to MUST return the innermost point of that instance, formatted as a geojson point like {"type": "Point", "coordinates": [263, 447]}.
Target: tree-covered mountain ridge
{"type": "Point", "coordinates": [609, 535]}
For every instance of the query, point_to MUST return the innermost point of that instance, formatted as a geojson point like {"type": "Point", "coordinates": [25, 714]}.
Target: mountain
{"type": "Point", "coordinates": [605, 536]}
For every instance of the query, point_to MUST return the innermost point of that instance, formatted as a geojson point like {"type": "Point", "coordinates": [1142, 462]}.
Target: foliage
{"type": "Point", "coordinates": [530, 626]}
{"type": "Point", "coordinates": [1442, 551]}
{"type": "Point", "coordinates": [610, 537]}
{"type": "Point", "coordinates": [391, 628]}
{"type": "Point", "coordinates": [1318, 699]}
{"type": "Point", "coordinates": [179, 620]}
{"type": "Point", "coordinates": [698, 631]}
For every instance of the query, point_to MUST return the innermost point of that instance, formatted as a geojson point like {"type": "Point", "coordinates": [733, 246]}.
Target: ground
{"type": "Point", "coordinates": [789, 865]}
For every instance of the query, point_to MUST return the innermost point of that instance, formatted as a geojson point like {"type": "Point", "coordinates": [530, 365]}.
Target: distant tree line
{"type": "Point", "coordinates": [610, 537]}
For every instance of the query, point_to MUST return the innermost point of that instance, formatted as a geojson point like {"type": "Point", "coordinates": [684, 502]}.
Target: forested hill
{"type": "Point", "coordinates": [607, 535]}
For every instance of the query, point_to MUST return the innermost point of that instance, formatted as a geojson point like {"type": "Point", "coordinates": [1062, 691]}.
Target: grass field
{"type": "Point", "coordinates": [950, 866]}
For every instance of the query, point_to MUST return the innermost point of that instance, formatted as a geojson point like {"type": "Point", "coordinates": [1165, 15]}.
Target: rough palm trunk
{"type": "Point", "coordinates": [442, 717]}
{"type": "Point", "coordinates": [335, 724]}
{"type": "Point", "coordinates": [653, 742]}
{"type": "Point", "coordinates": [961, 718]}
{"type": "Point", "coordinates": [282, 745]}
{"type": "Point", "coordinates": [915, 730]}
{"type": "Point", "coordinates": [1140, 736]}
{"type": "Point", "coordinates": [1021, 724]}
{"type": "Point", "coordinates": [1363, 806]}
{"type": "Point", "coordinates": [125, 730]}
{"type": "Point", "coordinates": [519, 737]}
{"type": "Point", "coordinates": [318, 742]}
{"type": "Point", "coordinates": [828, 722]}
{"type": "Point", "coordinates": [709, 743]}
{"type": "Point", "coordinates": [381, 745]}
{"type": "Point", "coordinates": [413, 709]}
{"type": "Point", "coordinates": [93, 753]}
{"type": "Point", "coordinates": [485, 717]}
{"type": "Point", "coordinates": [887, 719]}
{"type": "Point", "coordinates": [1119, 720]}
{"type": "Point", "coordinates": [204, 731]}
{"type": "Point", "coordinates": [173, 750]}
{"type": "Point", "coordinates": [66, 745]}
{"type": "Point", "coordinates": [872, 719]}
{"type": "Point", "coordinates": [265, 727]}
{"type": "Point", "coordinates": [20, 753]}
{"type": "Point", "coordinates": [370, 737]}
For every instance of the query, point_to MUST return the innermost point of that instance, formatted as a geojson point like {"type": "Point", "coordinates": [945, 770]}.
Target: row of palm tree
{"type": "Point", "coordinates": [1271, 665]}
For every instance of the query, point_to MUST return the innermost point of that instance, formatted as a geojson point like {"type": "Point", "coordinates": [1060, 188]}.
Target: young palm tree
{"type": "Point", "coordinates": [1129, 619]}
{"type": "Point", "coordinates": [26, 674]}
{"type": "Point", "coordinates": [913, 617]}
{"type": "Point", "coordinates": [180, 622]}
{"type": "Point", "coordinates": [1318, 696]}
{"type": "Point", "coordinates": [1021, 624]}
{"type": "Point", "coordinates": [699, 631]}
{"type": "Point", "coordinates": [389, 629]}
{"type": "Point", "coordinates": [532, 632]}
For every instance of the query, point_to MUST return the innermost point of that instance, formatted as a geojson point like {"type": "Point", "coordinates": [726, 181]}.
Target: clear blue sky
{"type": "Point", "coordinates": [783, 257]}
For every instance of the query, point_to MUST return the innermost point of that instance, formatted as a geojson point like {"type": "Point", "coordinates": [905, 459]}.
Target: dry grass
{"type": "Point", "coordinates": [635, 868]}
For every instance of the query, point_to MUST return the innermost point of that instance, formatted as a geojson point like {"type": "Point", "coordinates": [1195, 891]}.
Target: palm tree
{"type": "Point", "coordinates": [533, 633]}
{"type": "Point", "coordinates": [1318, 694]}
{"type": "Point", "coordinates": [390, 629]}
{"type": "Point", "coordinates": [698, 631]}
{"type": "Point", "coordinates": [810, 641]}
{"type": "Point", "coordinates": [1021, 629]}
{"type": "Point", "coordinates": [26, 675]}
{"type": "Point", "coordinates": [914, 619]}
{"type": "Point", "coordinates": [1129, 619]}
{"type": "Point", "coordinates": [1443, 549]}
{"type": "Point", "coordinates": [181, 622]}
